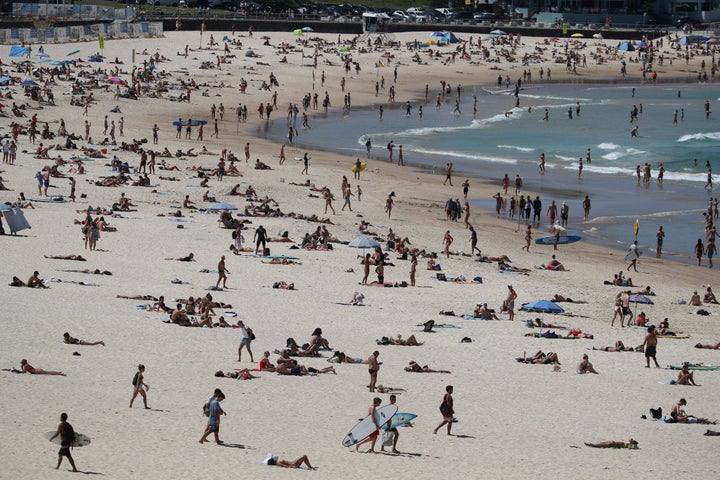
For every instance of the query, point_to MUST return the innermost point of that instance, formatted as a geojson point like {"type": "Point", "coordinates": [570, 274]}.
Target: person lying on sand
{"type": "Point", "coordinates": [241, 374]}
{"type": "Point", "coordinates": [75, 341]}
{"type": "Point", "coordinates": [25, 367]}
{"type": "Point", "coordinates": [16, 282]}
{"type": "Point", "coordinates": [293, 368]}
{"type": "Point", "coordinates": [619, 347]}
{"type": "Point", "coordinates": [644, 291]}
{"type": "Point", "coordinates": [77, 258]}
{"type": "Point", "coordinates": [504, 267]}
{"type": "Point", "coordinates": [540, 358]}
{"type": "Point", "coordinates": [281, 261]}
{"type": "Point", "coordinates": [411, 341]}
{"type": "Point", "coordinates": [383, 389]}
{"type": "Point", "coordinates": [415, 368]}
{"type": "Point", "coordinates": [541, 324]}
{"type": "Point", "coordinates": [664, 329]}
{"type": "Point", "coordinates": [678, 415]}
{"type": "Point", "coordinates": [137, 297]}
{"type": "Point", "coordinates": [280, 462]}
{"type": "Point", "coordinates": [189, 258]}
{"type": "Point", "coordinates": [97, 271]}
{"type": "Point", "coordinates": [340, 357]}
{"type": "Point", "coordinates": [293, 349]}
{"type": "Point", "coordinates": [577, 333]}
{"type": "Point", "coordinates": [557, 298]}
{"type": "Point", "coordinates": [284, 285]}
{"type": "Point", "coordinates": [708, 346]}
{"type": "Point", "coordinates": [631, 444]}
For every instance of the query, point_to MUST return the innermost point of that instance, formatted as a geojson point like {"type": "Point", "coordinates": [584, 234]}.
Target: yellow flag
{"type": "Point", "coordinates": [636, 227]}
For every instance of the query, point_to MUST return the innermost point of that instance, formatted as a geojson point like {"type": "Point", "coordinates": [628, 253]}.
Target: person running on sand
{"type": "Point", "coordinates": [281, 462]}
{"type": "Point", "coordinates": [415, 368]}
{"type": "Point", "coordinates": [447, 410]}
{"type": "Point", "coordinates": [67, 437]}
{"type": "Point", "coordinates": [631, 444]}
{"type": "Point", "coordinates": [585, 366]}
{"type": "Point", "coordinates": [25, 367]}
{"type": "Point", "coordinates": [75, 341]}
{"type": "Point", "coordinates": [139, 386]}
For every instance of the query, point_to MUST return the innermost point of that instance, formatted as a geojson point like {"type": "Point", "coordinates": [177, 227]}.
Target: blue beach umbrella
{"type": "Point", "coordinates": [28, 81]}
{"type": "Point", "coordinates": [364, 242]}
{"type": "Point", "coordinates": [544, 306]}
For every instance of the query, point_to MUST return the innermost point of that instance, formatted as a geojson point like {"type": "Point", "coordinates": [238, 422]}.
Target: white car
{"type": "Point", "coordinates": [445, 11]}
{"type": "Point", "coordinates": [416, 13]}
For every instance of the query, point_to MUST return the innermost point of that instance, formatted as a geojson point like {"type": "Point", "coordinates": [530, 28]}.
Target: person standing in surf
{"type": "Point", "coordinates": [67, 437]}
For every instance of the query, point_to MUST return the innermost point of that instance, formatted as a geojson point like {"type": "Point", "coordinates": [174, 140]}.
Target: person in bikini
{"type": "Point", "coordinates": [415, 368]}
{"type": "Point", "coordinates": [619, 347]}
{"type": "Point", "coordinates": [25, 367]}
{"type": "Point", "coordinates": [631, 444]}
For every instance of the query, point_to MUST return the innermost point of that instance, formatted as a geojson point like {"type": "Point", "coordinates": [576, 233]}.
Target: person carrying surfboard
{"type": "Point", "coordinates": [633, 256]}
{"type": "Point", "coordinates": [373, 436]}
{"type": "Point", "coordinates": [391, 430]}
{"type": "Point", "coordinates": [67, 436]}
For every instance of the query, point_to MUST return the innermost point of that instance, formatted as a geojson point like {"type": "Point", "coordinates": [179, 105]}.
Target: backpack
{"type": "Point", "coordinates": [234, 235]}
{"type": "Point", "coordinates": [135, 379]}
{"type": "Point", "coordinates": [206, 409]}
{"type": "Point", "coordinates": [250, 332]}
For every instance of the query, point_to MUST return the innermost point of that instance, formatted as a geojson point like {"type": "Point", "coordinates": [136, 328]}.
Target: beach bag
{"type": "Point", "coordinates": [445, 409]}
{"type": "Point", "coordinates": [234, 235]}
{"type": "Point", "coordinates": [206, 409]}
{"type": "Point", "coordinates": [387, 438]}
{"type": "Point", "coordinates": [135, 379]}
{"type": "Point", "coordinates": [428, 326]}
{"type": "Point", "coordinates": [441, 277]}
{"type": "Point", "coordinates": [250, 332]}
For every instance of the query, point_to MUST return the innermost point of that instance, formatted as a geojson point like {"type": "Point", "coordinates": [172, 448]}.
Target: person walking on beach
{"type": "Point", "coordinates": [528, 238]}
{"type": "Point", "coordinates": [67, 437]}
{"type": "Point", "coordinates": [448, 174]}
{"type": "Point", "coordinates": [139, 386]}
{"type": "Point", "coordinates": [542, 164]}
{"type": "Point", "coordinates": [634, 255]}
{"type": "Point", "coordinates": [650, 346]}
{"type": "Point", "coordinates": [213, 411]}
{"type": "Point", "coordinates": [699, 250]}
{"type": "Point", "coordinates": [373, 367]}
{"type": "Point", "coordinates": [710, 251]}
{"type": "Point", "coordinates": [392, 430]}
{"type": "Point", "coordinates": [247, 337]}
{"type": "Point", "coordinates": [389, 203]}
{"type": "Point", "coordinates": [390, 147]}
{"type": "Point", "coordinates": [372, 438]}
{"type": "Point", "coordinates": [447, 241]}
{"type": "Point", "coordinates": [413, 269]}
{"type": "Point", "coordinates": [447, 410]}
{"type": "Point", "coordinates": [586, 207]}
{"type": "Point", "coordinates": [222, 273]}
{"type": "Point", "coordinates": [306, 164]}
{"type": "Point", "coordinates": [473, 241]}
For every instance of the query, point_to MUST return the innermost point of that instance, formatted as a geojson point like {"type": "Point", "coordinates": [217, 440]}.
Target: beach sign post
{"type": "Point", "coordinates": [636, 227]}
{"type": "Point", "coordinates": [202, 30]}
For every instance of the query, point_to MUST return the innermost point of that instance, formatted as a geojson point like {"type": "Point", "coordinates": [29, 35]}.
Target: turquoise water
{"type": "Point", "coordinates": [491, 144]}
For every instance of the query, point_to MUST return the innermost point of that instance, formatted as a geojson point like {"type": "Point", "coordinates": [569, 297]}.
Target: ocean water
{"type": "Point", "coordinates": [502, 139]}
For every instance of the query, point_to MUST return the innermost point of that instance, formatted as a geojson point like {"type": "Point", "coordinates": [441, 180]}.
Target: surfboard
{"type": "Point", "coordinates": [363, 166]}
{"type": "Point", "coordinates": [195, 123]}
{"type": "Point", "coordinates": [564, 239]}
{"type": "Point", "coordinates": [631, 255]}
{"type": "Point", "coordinates": [400, 419]}
{"type": "Point", "coordinates": [80, 439]}
{"type": "Point", "coordinates": [673, 336]}
{"type": "Point", "coordinates": [695, 367]}
{"type": "Point", "coordinates": [366, 426]}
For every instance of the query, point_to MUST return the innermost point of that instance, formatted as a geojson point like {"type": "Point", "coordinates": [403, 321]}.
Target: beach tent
{"type": "Point", "coordinates": [693, 38]}
{"type": "Point", "coordinates": [4, 80]}
{"type": "Point", "coordinates": [497, 32]}
{"type": "Point", "coordinates": [17, 51]}
{"type": "Point", "coordinates": [28, 81]}
{"type": "Point", "coordinates": [221, 206]}
{"type": "Point", "coordinates": [16, 220]}
{"type": "Point", "coordinates": [450, 37]}
{"type": "Point", "coordinates": [298, 32]}
{"type": "Point", "coordinates": [545, 306]}
{"type": "Point", "coordinates": [626, 46]}
{"type": "Point", "coordinates": [437, 34]}
{"type": "Point", "coordinates": [364, 242]}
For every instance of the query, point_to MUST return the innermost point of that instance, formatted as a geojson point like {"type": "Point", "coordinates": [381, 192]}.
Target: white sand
{"type": "Point", "coordinates": [515, 420]}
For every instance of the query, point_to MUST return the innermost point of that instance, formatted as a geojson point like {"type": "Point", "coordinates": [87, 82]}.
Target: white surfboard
{"type": "Point", "coordinates": [632, 255]}
{"type": "Point", "coordinates": [80, 439]}
{"type": "Point", "coordinates": [366, 426]}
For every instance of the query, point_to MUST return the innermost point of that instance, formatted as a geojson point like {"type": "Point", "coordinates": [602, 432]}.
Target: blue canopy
{"type": "Point", "coordinates": [450, 37]}
{"type": "Point", "coordinates": [18, 51]}
{"type": "Point", "coordinates": [626, 46]}
{"type": "Point", "coordinates": [545, 306]}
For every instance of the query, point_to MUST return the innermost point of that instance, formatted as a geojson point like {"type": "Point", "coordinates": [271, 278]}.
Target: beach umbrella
{"type": "Point", "coordinates": [364, 242]}
{"type": "Point", "coordinates": [298, 32]}
{"type": "Point", "coordinates": [18, 51]}
{"type": "Point", "coordinates": [545, 306]}
{"type": "Point", "coordinates": [28, 81]}
{"type": "Point", "coordinates": [116, 81]}
{"type": "Point", "coordinates": [497, 32]}
{"type": "Point", "coordinates": [598, 35]}
{"type": "Point", "coordinates": [307, 29]}
{"type": "Point", "coordinates": [437, 34]}
{"type": "Point", "coordinates": [577, 35]}
{"type": "Point", "coordinates": [637, 298]}
{"type": "Point", "coordinates": [264, 37]}
{"type": "Point", "coordinates": [221, 206]}
{"type": "Point", "coordinates": [71, 52]}
{"type": "Point", "coordinates": [4, 80]}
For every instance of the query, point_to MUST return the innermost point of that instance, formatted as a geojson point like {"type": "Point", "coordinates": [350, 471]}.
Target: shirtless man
{"type": "Point", "coordinates": [221, 273]}
{"type": "Point", "coordinates": [373, 367]}
{"type": "Point", "coordinates": [75, 341]}
{"type": "Point", "coordinates": [685, 376]}
{"type": "Point", "coordinates": [678, 414]}
{"type": "Point", "coordinates": [35, 282]}
{"type": "Point", "coordinates": [585, 366]}
{"type": "Point", "coordinates": [650, 346]}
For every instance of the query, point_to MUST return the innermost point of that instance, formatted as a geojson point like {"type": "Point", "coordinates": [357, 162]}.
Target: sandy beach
{"type": "Point", "coordinates": [514, 420]}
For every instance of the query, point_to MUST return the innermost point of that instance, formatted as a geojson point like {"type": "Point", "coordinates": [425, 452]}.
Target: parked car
{"type": "Point", "coordinates": [461, 16]}
{"type": "Point", "coordinates": [486, 16]}
{"type": "Point", "coordinates": [444, 11]}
